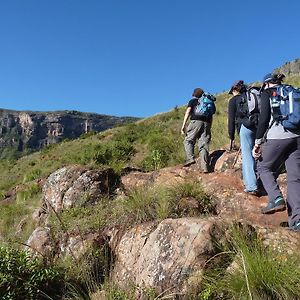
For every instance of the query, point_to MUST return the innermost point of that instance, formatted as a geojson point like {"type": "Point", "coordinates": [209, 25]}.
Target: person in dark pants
{"type": "Point", "coordinates": [199, 129]}
{"type": "Point", "coordinates": [281, 146]}
{"type": "Point", "coordinates": [237, 120]}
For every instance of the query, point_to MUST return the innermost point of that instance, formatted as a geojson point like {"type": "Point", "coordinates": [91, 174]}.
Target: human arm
{"type": "Point", "coordinates": [231, 120]}
{"type": "Point", "coordinates": [186, 116]}
{"type": "Point", "coordinates": [263, 123]}
{"type": "Point", "coordinates": [264, 117]}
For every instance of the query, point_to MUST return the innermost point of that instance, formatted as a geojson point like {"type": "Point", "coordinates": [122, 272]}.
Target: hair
{"type": "Point", "coordinates": [277, 78]}
{"type": "Point", "coordinates": [198, 92]}
{"type": "Point", "coordinates": [240, 87]}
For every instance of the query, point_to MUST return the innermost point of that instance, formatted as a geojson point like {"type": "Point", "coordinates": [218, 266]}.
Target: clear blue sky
{"type": "Point", "coordinates": [137, 57]}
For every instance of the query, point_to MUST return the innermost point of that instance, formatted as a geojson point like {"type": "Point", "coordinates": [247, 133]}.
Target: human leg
{"type": "Point", "coordinates": [247, 137]}
{"type": "Point", "coordinates": [293, 183]}
{"type": "Point", "coordinates": [203, 145]}
{"type": "Point", "coordinates": [272, 152]}
{"type": "Point", "coordinates": [190, 139]}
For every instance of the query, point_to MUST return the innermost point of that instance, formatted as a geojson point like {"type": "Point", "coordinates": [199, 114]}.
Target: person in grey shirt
{"type": "Point", "coordinates": [281, 146]}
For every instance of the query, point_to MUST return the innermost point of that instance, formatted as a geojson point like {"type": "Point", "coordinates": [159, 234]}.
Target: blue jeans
{"type": "Point", "coordinates": [247, 138]}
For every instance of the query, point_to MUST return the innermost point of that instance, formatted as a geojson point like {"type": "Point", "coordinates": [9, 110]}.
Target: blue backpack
{"type": "Point", "coordinates": [285, 105]}
{"type": "Point", "coordinates": [206, 106]}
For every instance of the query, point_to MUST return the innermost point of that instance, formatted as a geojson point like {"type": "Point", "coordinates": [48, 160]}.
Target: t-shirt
{"type": "Point", "coordinates": [193, 103]}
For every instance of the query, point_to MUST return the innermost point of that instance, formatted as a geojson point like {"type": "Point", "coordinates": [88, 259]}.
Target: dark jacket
{"type": "Point", "coordinates": [237, 117]}
{"type": "Point", "coordinates": [276, 130]}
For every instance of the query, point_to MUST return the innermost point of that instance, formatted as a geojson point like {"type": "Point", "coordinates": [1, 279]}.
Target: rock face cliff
{"type": "Point", "coordinates": [21, 130]}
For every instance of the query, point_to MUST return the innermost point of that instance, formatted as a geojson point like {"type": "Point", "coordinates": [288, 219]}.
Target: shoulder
{"type": "Point", "coordinates": [235, 99]}
{"type": "Point", "coordinates": [193, 102]}
{"type": "Point", "coordinates": [268, 92]}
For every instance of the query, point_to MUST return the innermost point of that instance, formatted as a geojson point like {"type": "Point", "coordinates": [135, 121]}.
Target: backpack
{"type": "Point", "coordinates": [249, 107]}
{"type": "Point", "coordinates": [206, 106]}
{"type": "Point", "coordinates": [285, 105]}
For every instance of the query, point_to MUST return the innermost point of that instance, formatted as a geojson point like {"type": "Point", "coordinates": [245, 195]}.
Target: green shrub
{"type": "Point", "coordinates": [24, 277]}
{"type": "Point", "coordinates": [32, 175]}
{"type": "Point", "coordinates": [257, 272]}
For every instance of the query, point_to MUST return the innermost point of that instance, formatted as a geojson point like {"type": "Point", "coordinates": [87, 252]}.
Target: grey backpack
{"type": "Point", "coordinates": [249, 107]}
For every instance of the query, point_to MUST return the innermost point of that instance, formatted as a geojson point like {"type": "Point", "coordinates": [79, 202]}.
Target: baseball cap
{"type": "Point", "coordinates": [269, 77]}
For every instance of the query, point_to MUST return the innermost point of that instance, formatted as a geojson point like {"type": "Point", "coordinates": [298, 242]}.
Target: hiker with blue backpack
{"type": "Point", "coordinates": [243, 111]}
{"type": "Point", "coordinates": [200, 110]}
{"type": "Point", "coordinates": [279, 125]}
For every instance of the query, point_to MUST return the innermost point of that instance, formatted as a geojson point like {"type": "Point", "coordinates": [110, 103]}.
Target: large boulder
{"type": "Point", "coordinates": [163, 257]}
{"type": "Point", "coordinates": [75, 185]}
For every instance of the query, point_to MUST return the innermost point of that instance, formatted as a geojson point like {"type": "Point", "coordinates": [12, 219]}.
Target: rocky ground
{"type": "Point", "coordinates": [171, 254]}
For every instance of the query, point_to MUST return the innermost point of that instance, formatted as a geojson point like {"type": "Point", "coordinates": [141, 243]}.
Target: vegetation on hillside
{"type": "Point", "coordinates": [149, 144]}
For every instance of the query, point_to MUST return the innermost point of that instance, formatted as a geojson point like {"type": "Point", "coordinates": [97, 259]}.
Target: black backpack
{"type": "Point", "coordinates": [248, 107]}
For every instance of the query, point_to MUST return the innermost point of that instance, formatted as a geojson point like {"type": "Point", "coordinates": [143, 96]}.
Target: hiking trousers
{"type": "Point", "coordinates": [201, 131]}
{"type": "Point", "coordinates": [247, 138]}
{"type": "Point", "coordinates": [274, 153]}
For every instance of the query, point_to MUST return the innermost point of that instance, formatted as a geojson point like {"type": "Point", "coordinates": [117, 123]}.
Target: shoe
{"type": "Point", "coordinates": [189, 162]}
{"type": "Point", "coordinates": [272, 207]}
{"type": "Point", "coordinates": [203, 170]}
{"type": "Point", "coordinates": [296, 226]}
{"type": "Point", "coordinates": [253, 193]}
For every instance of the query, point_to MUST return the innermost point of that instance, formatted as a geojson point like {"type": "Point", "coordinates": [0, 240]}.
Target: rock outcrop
{"type": "Point", "coordinates": [34, 130]}
{"type": "Point", "coordinates": [167, 255]}
{"type": "Point", "coordinates": [164, 257]}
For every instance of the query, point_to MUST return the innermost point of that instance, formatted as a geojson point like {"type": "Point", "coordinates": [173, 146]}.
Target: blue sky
{"type": "Point", "coordinates": [137, 57]}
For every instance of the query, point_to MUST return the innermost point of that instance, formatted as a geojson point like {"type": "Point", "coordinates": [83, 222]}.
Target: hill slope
{"type": "Point", "coordinates": [150, 144]}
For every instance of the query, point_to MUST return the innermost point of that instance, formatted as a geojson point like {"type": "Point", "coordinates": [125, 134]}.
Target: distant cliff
{"type": "Point", "coordinates": [26, 130]}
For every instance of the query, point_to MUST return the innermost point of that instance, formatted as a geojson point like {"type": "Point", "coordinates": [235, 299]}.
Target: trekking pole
{"type": "Point", "coordinates": [236, 157]}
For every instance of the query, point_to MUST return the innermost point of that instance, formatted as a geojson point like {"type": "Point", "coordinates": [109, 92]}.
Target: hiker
{"type": "Point", "coordinates": [200, 110]}
{"type": "Point", "coordinates": [282, 146]}
{"type": "Point", "coordinates": [240, 119]}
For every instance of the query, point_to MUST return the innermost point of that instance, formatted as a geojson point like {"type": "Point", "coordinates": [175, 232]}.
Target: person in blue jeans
{"type": "Point", "coordinates": [237, 120]}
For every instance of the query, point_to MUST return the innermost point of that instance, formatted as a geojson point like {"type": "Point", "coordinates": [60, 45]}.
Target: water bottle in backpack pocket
{"type": "Point", "coordinates": [285, 105]}
{"type": "Point", "coordinates": [206, 106]}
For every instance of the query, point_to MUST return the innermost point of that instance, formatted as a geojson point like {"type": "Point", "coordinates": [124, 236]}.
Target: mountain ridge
{"type": "Point", "coordinates": [26, 131]}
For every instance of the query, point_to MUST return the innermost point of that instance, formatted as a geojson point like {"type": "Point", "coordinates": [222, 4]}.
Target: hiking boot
{"type": "Point", "coordinates": [189, 162]}
{"type": "Point", "coordinates": [296, 226]}
{"type": "Point", "coordinates": [203, 170]}
{"type": "Point", "coordinates": [272, 207]}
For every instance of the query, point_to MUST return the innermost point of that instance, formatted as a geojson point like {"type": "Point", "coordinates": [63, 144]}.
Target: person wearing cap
{"type": "Point", "coordinates": [281, 146]}
{"type": "Point", "coordinates": [237, 121]}
{"type": "Point", "coordinates": [199, 129]}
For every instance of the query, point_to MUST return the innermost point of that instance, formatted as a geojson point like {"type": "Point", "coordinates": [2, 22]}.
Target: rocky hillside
{"type": "Point", "coordinates": [163, 243]}
{"type": "Point", "coordinates": [122, 218]}
{"type": "Point", "coordinates": [27, 130]}
{"type": "Point", "coordinates": [290, 68]}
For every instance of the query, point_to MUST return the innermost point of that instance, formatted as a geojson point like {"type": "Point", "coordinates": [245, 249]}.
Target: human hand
{"type": "Point", "coordinates": [231, 145]}
{"type": "Point", "coordinates": [256, 151]}
{"type": "Point", "coordinates": [183, 130]}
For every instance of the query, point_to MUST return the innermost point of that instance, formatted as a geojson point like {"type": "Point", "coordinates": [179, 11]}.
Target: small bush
{"type": "Point", "coordinates": [23, 277]}
{"type": "Point", "coordinates": [257, 272]}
